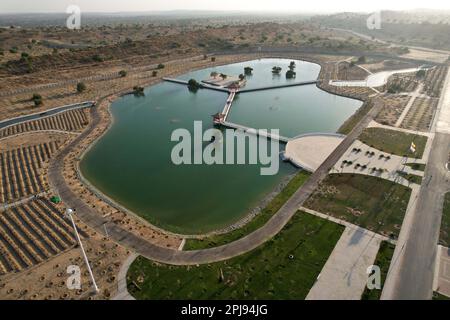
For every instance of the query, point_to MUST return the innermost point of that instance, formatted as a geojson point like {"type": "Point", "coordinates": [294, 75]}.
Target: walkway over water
{"type": "Point", "coordinates": [202, 85]}
{"type": "Point", "coordinates": [287, 85]}
{"type": "Point", "coordinates": [262, 133]}
{"type": "Point", "coordinates": [222, 89]}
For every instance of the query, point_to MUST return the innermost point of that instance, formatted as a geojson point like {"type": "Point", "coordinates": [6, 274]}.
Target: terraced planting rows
{"type": "Point", "coordinates": [32, 233]}
{"type": "Point", "coordinates": [420, 115]}
{"type": "Point", "coordinates": [21, 170]}
{"type": "Point", "coordinates": [434, 81]}
{"type": "Point", "coordinates": [73, 120]}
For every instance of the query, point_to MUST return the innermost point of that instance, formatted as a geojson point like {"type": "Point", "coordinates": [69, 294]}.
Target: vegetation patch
{"type": "Point", "coordinates": [412, 178]}
{"type": "Point", "coordinates": [444, 238]}
{"type": "Point", "coordinates": [438, 296]}
{"type": "Point", "coordinates": [417, 166]}
{"type": "Point", "coordinates": [257, 222]}
{"type": "Point", "coordinates": [370, 202]}
{"type": "Point", "coordinates": [351, 122]}
{"type": "Point", "coordinates": [394, 142]}
{"type": "Point", "coordinates": [285, 267]}
{"type": "Point", "coordinates": [383, 260]}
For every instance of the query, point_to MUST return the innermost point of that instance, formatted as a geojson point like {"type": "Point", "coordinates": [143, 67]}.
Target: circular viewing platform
{"type": "Point", "coordinates": [309, 151]}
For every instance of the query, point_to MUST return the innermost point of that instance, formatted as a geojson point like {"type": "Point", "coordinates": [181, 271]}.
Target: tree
{"type": "Point", "coordinates": [276, 70]}
{"type": "Point", "coordinates": [193, 85]}
{"type": "Point", "coordinates": [213, 59]}
{"type": "Point", "coordinates": [248, 70]}
{"type": "Point", "coordinates": [81, 87]}
{"type": "Point", "coordinates": [138, 91]}
{"type": "Point", "coordinates": [97, 58]}
{"type": "Point", "coordinates": [223, 76]}
{"type": "Point", "coordinates": [154, 73]}
{"type": "Point", "coordinates": [241, 77]}
{"type": "Point", "coordinates": [214, 74]}
{"type": "Point", "coordinates": [122, 73]}
{"type": "Point", "coordinates": [37, 99]}
{"type": "Point", "coordinates": [161, 66]}
{"type": "Point", "coordinates": [290, 74]}
{"type": "Point", "coordinates": [362, 59]}
{"type": "Point", "coordinates": [420, 74]}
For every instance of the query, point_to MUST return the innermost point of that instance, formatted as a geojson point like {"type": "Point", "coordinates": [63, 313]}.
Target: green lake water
{"type": "Point", "coordinates": [132, 162]}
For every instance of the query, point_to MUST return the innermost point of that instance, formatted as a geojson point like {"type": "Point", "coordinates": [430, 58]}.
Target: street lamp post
{"type": "Point", "coordinates": [69, 215]}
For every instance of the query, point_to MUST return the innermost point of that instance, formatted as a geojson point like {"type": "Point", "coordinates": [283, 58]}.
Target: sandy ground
{"type": "Point", "coordinates": [30, 139]}
{"type": "Point", "coordinates": [49, 279]}
{"type": "Point", "coordinates": [426, 55]}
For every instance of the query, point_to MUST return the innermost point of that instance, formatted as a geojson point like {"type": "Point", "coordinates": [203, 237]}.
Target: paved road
{"type": "Point", "coordinates": [44, 114]}
{"type": "Point", "coordinates": [417, 264]}
{"type": "Point", "coordinates": [173, 256]}
{"type": "Point", "coordinates": [412, 272]}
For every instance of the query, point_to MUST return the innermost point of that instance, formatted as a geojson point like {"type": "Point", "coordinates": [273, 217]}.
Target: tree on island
{"type": "Point", "coordinates": [214, 74]}
{"type": "Point", "coordinates": [241, 77]}
{"type": "Point", "coordinates": [292, 65]}
{"type": "Point", "coordinates": [276, 70]}
{"type": "Point", "coordinates": [248, 70]}
{"type": "Point", "coordinates": [223, 76]}
{"type": "Point", "coordinates": [193, 85]}
{"type": "Point", "coordinates": [290, 74]}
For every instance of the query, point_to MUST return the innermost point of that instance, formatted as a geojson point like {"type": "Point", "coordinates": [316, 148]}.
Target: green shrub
{"type": "Point", "coordinates": [81, 87]}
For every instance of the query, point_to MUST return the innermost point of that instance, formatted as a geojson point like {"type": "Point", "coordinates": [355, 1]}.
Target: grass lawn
{"type": "Point", "coordinates": [444, 237]}
{"type": "Point", "coordinates": [394, 142]}
{"type": "Point", "coordinates": [355, 118]}
{"type": "Point", "coordinates": [370, 202]}
{"type": "Point", "coordinates": [438, 296]}
{"type": "Point", "coordinates": [411, 177]}
{"type": "Point", "coordinates": [383, 260]}
{"type": "Point", "coordinates": [416, 166]}
{"type": "Point", "coordinates": [257, 222]}
{"type": "Point", "coordinates": [285, 267]}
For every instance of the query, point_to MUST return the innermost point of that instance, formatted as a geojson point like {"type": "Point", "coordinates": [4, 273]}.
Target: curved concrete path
{"type": "Point", "coordinates": [173, 256]}
{"type": "Point", "coordinates": [45, 114]}
{"type": "Point", "coordinates": [373, 80]}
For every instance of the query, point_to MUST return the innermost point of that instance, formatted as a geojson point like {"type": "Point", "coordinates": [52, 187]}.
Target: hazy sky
{"type": "Point", "coordinates": [238, 5]}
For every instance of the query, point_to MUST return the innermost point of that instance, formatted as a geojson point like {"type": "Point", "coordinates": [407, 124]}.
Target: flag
{"type": "Point", "coordinates": [412, 148]}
